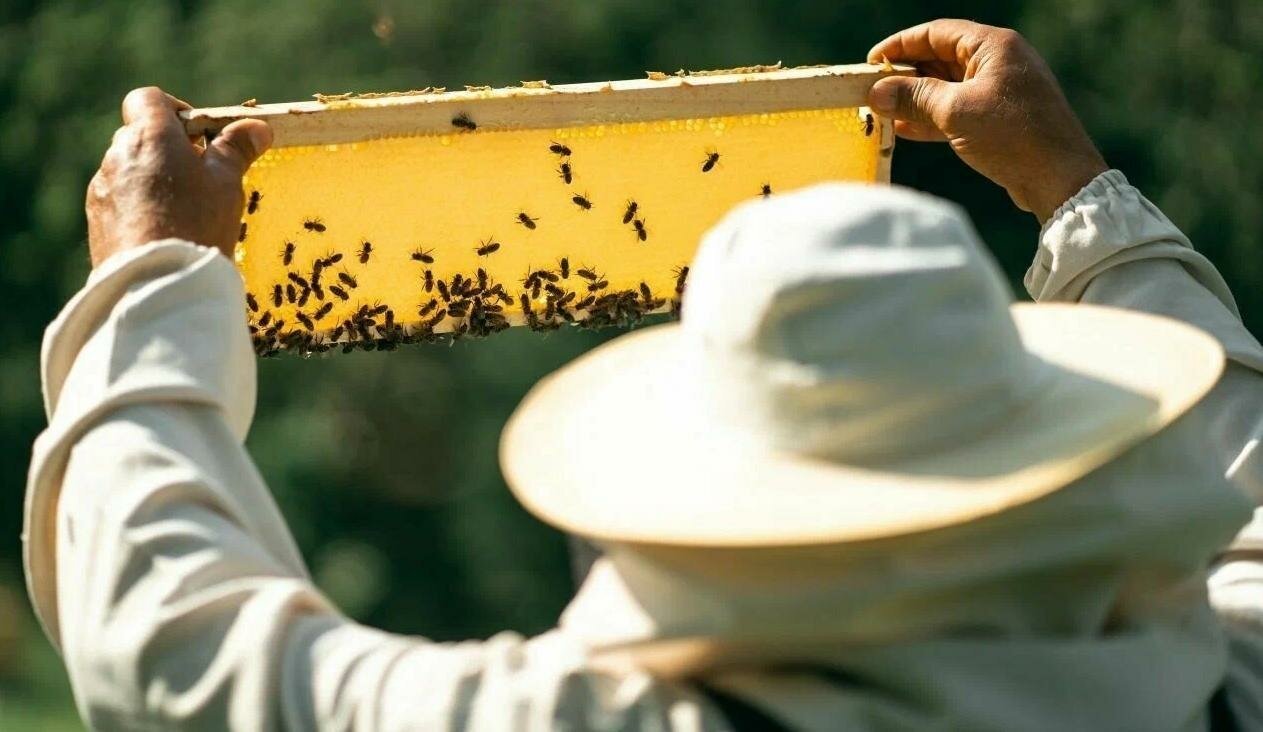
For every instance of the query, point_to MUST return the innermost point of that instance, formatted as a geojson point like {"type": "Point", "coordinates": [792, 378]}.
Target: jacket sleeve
{"type": "Point", "coordinates": [1109, 245]}
{"type": "Point", "coordinates": [163, 570]}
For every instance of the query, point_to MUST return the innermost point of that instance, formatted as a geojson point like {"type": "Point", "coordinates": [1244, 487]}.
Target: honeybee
{"type": "Point", "coordinates": [242, 236]}
{"type": "Point", "coordinates": [563, 265]}
{"type": "Point", "coordinates": [287, 254]}
{"type": "Point", "coordinates": [559, 149]}
{"type": "Point", "coordinates": [641, 232]}
{"type": "Point", "coordinates": [252, 303]}
{"type": "Point", "coordinates": [766, 190]}
{"type": "Point", "coordinates": [341, 293]}
{"type": "Point", "coordinates": [323, 310]}
{"type": "Point", "coordinates": [630, 213]}
{"type": "Point", "coordinates": [428, 279]}
{"type": "Point", "coordinates": [423, 256]}
{"type": "Point", "coordinates": [565, 173]}
{"type": "Point", "coordinates": [306, 321]}
{"type": "Point", "coordinates": [582, 202]}
{"type": "Point", "coordinates": [366, 251]}
{"type": "Point", "coordinates": [348, 280]}
{"type": "Point", "coordinates": [436, 319]}
{"type": "Point", "coordinates": [276, 295]}
{"type": "Point", "coordinates": [253, 204]}
{"type": "Point", "coordinates": [526, 220]}
{"type": "Point", "coordinates": [712, 158]}
{"type": "Point", "coordinates": [867, 124]}
{"type": "Point", "coordinates": [314, 225]}
{"type": "Point", "coordinates": [681, 276]}
{"type": "Point", "coordinates": [463, 122]}
{"type": "Point", "coordinates": [488, 248]}
{"type": "Point", "coordinates": [297, 279]}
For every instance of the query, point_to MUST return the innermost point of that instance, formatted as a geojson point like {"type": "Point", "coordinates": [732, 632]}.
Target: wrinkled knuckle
{"type": "Point", "coordinates": [98, 187]}
{"type": "Point", "coordinates": [913, 96]}
{"type": "Point", "coordinates": [921, 96]}
{"type": "Point", "coordinates": [1009, 40]}
{"type": "Point", "coordinates": [143, 94]}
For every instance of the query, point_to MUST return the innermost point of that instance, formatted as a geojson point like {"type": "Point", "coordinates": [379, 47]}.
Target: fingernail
{"type": "Point", "coordinates": [882, 98]}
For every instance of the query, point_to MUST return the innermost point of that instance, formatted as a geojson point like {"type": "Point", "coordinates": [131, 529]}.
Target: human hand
{"type": "Point", "coordinates": [154, 183]}
{"type": "Point", "coordinates": [989, 94]}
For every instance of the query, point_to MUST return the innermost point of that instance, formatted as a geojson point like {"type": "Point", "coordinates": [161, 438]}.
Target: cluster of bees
{"type": "Point", "coordinates": [476, 304]}
{"type": "Point", "coordinates": [480, 305]}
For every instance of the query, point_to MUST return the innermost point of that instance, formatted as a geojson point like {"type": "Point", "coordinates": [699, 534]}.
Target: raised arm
{"type": "Point", "coordinates": [987, 92]}
{"type": "Point", "coordinates": [156, 558]}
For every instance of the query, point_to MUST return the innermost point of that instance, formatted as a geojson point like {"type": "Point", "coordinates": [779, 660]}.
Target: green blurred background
{"type": "Point", "coordinates": [385, 464]}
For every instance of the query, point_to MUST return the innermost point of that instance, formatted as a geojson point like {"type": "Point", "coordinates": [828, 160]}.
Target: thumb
{"type": "Point", "coordinates": [239, 144]}
{"type": "Point", "coordinates": [921, 100]}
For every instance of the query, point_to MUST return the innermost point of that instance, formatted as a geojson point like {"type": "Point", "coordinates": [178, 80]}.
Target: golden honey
{"type": "Point", "coordinates": [446, 196]}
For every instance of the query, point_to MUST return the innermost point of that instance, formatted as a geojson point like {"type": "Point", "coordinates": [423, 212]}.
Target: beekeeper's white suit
{"type": "Point", "coordinates": [163, 571]}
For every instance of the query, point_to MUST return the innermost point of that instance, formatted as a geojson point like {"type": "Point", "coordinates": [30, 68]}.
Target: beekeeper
{"type": "Point", "coordinates": [888, 498]}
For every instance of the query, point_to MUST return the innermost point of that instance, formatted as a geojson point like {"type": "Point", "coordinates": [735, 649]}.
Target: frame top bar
{"type": "Point", "coordinates": [352, 118]}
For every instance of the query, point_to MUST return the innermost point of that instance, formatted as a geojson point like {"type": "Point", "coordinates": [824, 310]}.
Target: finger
{"type": "Point", "coordinates": [150, 103]}
{"type": "Point", "coordinates": [942, 40]}
{"type": "Point", "coordinates": [239, 144]}
{"type": "Point", "coordinates": [918, 132]}
{"type": "Point", "coordinates": [921, 100]}
{"type": "Point", "coordinates": [155, 110]}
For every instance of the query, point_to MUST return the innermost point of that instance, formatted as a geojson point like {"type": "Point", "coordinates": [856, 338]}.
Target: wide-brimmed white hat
{"type": "Point", "coordinates": [850, 365]}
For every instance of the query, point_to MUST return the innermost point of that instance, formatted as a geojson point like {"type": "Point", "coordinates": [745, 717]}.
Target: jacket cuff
{"type": "Point", "coordinates": [165, 320]}
{"type": "Point", "coordinates": [1105, 224]}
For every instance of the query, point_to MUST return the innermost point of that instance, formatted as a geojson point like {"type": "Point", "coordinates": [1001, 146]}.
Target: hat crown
{"type": "Point", "coordinates": [854, 322]}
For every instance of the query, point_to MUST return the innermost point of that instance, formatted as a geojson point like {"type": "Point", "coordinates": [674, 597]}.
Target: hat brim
{"type": "Point", "coordinates": [615, 446]}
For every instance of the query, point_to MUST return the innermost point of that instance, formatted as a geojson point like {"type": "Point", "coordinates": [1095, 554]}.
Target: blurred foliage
{"type": "Point", "coordinates": [385, 465]}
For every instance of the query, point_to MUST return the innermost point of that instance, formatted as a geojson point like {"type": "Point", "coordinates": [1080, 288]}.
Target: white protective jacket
{"type": "Point", "coordinates": [164, 573]}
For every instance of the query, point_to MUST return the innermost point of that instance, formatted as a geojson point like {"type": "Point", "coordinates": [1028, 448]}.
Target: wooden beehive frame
{"type": "Point", "coordinates": [691, 101]}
